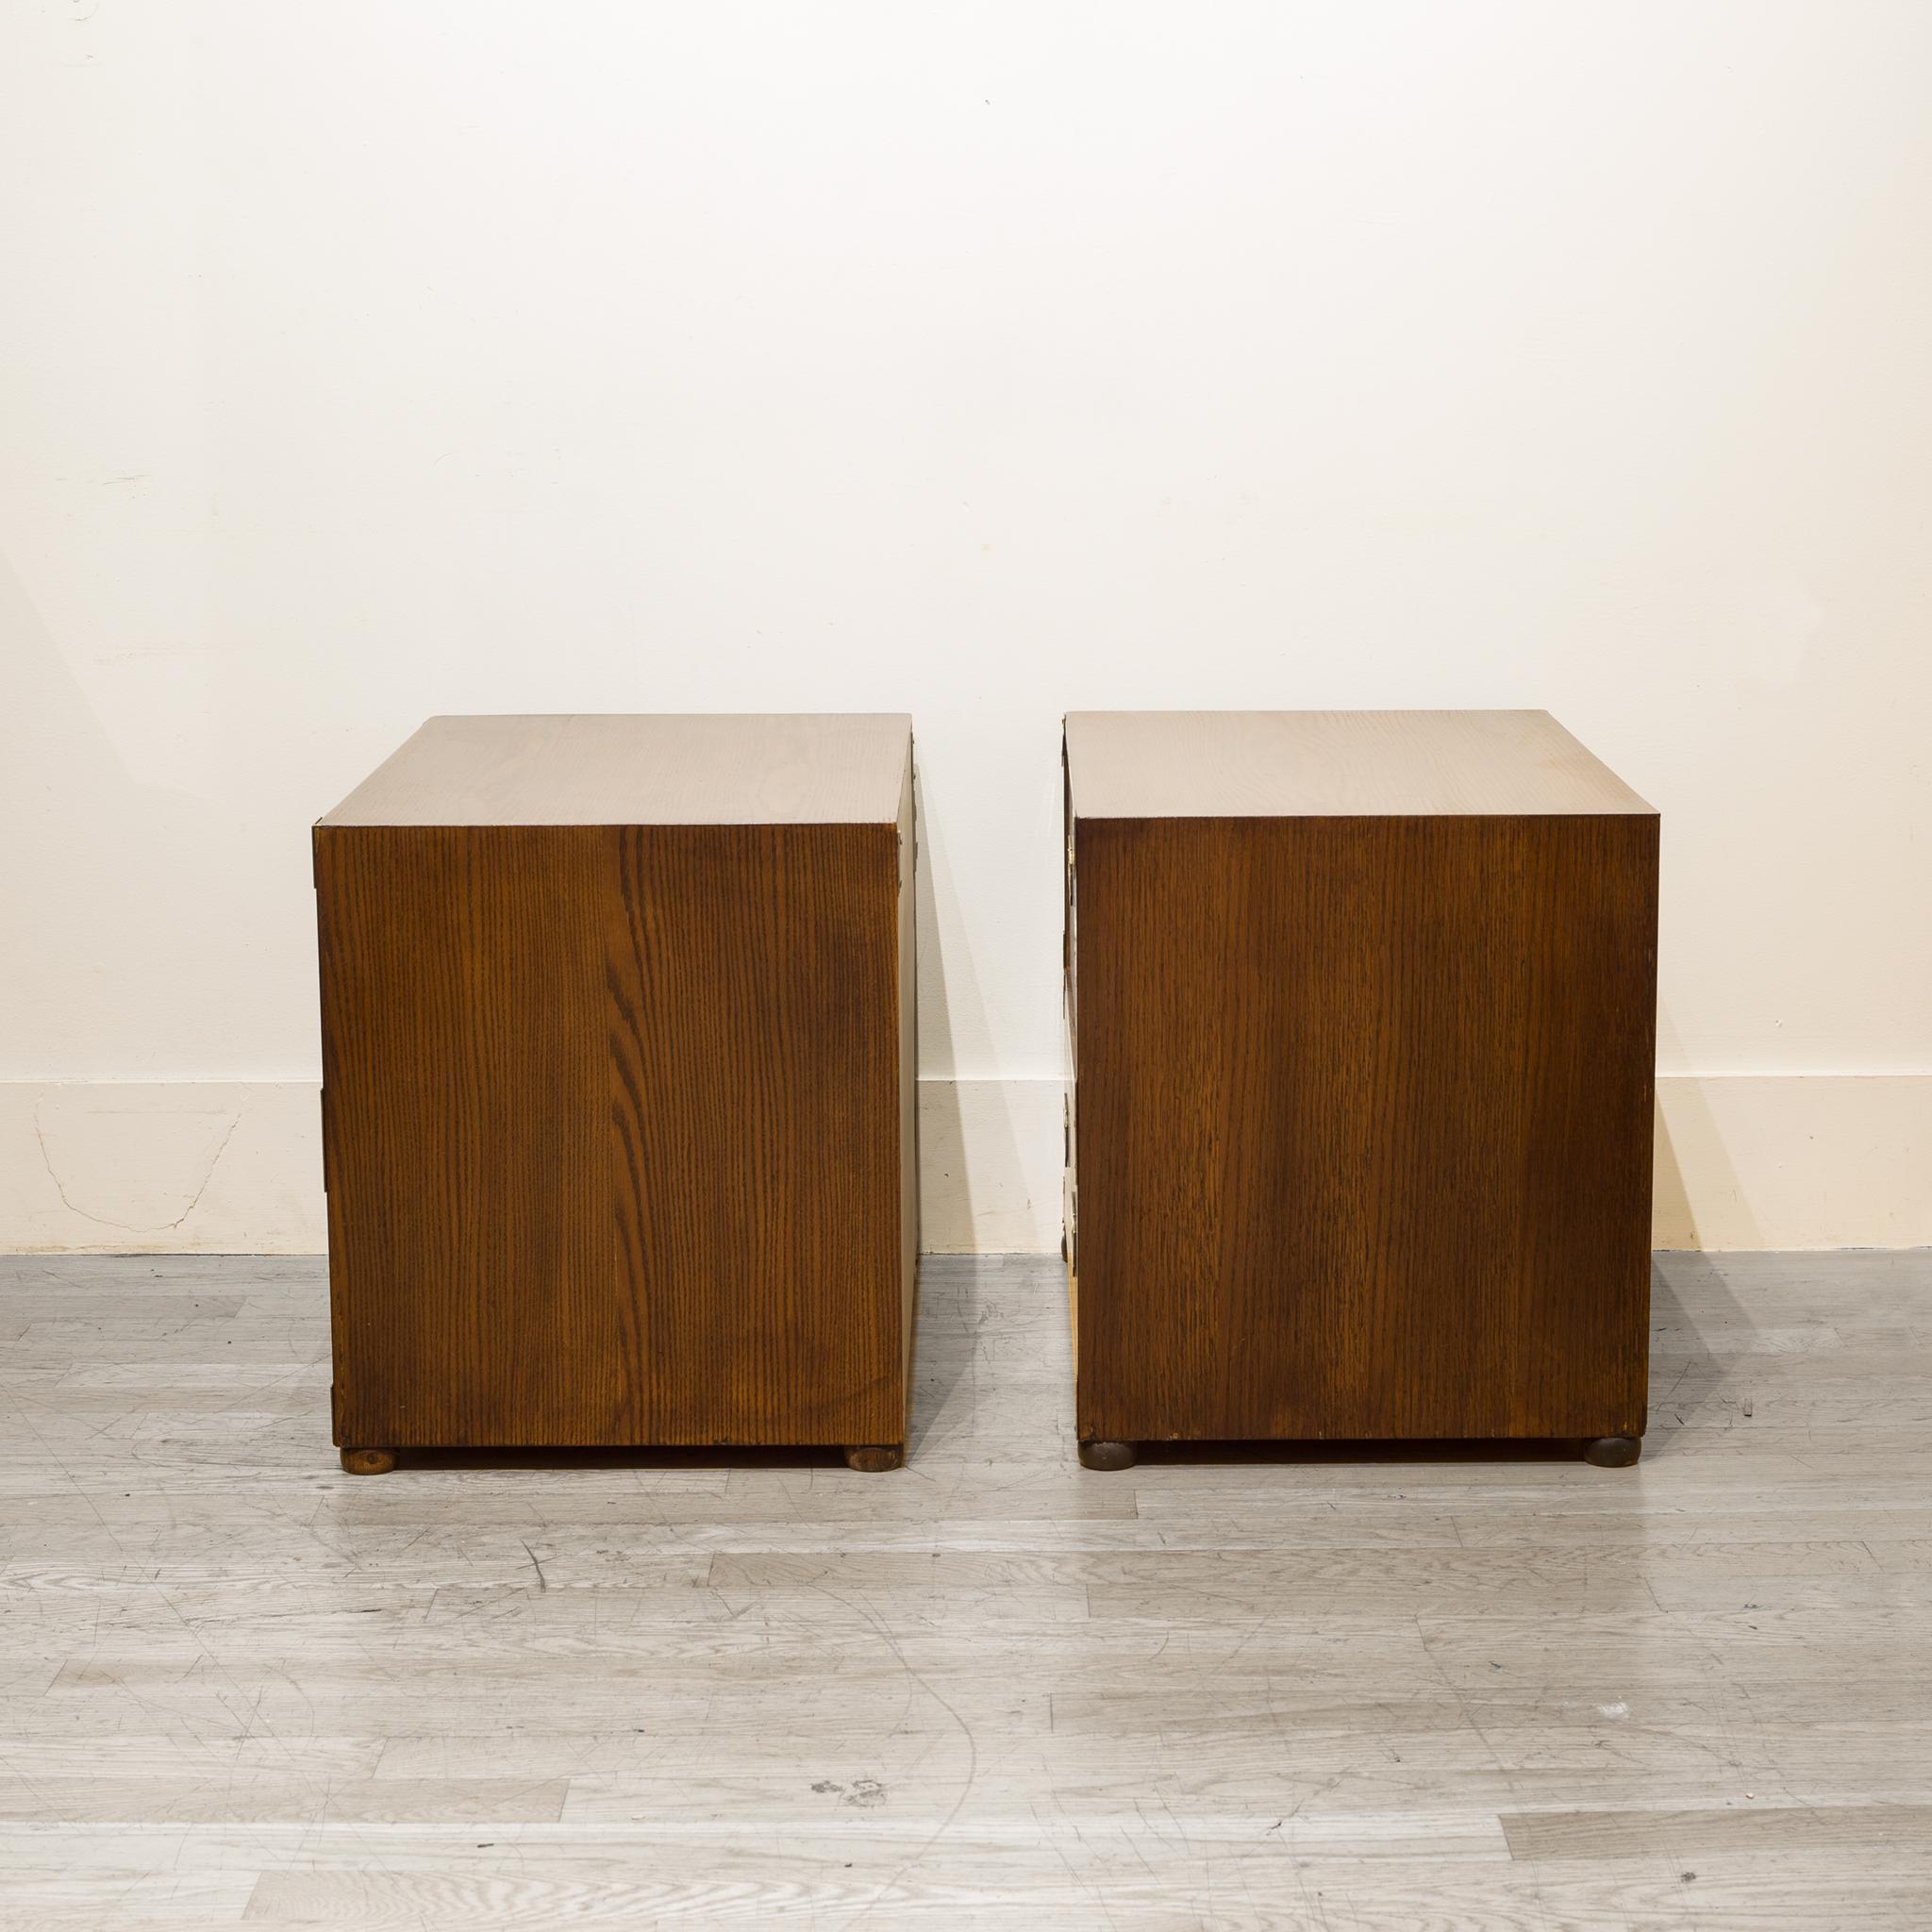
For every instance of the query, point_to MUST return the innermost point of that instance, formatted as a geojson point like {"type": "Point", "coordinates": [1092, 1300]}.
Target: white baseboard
{"type": "Point", "coordinates": [161, 1167]}
{"type": "Point", "coordinates": [1743, 1161]}
{"type": "Point", "coordinates": [990, 1156]}
{"type": "Point", "coordinates": [1794, 1160]}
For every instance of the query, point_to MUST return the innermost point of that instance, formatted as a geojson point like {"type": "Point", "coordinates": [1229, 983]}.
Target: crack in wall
{"type": "Point", "coordinates": [73, 1206]}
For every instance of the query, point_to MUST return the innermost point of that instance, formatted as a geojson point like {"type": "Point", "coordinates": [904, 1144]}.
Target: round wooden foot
{"type": "Point", "coordinates": [1106, 1456]}
{"type": "Point", "coordinates": [875, 1458]}
{"type": "Point", "coordinates": [1614, 1452]}
{"type": "Point", "coordinates": [369, 1462]}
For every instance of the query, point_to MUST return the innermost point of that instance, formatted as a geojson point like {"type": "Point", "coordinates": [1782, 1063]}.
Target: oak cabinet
{"type": "Point", "coordinates": [617, 1019]}
{"type": "Point", "coordinates": [1362, 1008]}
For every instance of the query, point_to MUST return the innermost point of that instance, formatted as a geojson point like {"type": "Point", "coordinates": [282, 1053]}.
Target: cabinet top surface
{"type": "Point", "coordinates": [1333, 764]}
{"type": "Point", "coordinates": [661, 769]}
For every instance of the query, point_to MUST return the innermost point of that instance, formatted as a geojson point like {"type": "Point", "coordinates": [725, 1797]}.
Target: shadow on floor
{"type": "Point", "coordinates": [703, 1456]}
{"type": "Point", "coordinates": [1514, 1449]}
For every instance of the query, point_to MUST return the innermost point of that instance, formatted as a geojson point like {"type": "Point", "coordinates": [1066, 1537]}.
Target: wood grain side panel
{"type": "Point", "coordinates": [470, 1187]}
{"type": "Point", "coordinates": [752, 1128]}
{"type": "Point", "coordinates": [1365, 1112]}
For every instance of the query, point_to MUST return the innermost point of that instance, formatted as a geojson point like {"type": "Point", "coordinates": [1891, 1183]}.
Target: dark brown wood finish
{"type": "Point", "coordinates": [754, 1108]}
{"type": "Point", "coordinates": [1364, 1123]}
{"type": "Point", "coordinates": [615, 1129]}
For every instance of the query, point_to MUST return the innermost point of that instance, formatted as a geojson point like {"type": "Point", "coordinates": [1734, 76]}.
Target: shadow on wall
{"type": "Point", "coordinates": [105, 1159]}
{"type": "Point", "coordinates": [1688, 1142]}
{"type": "Point", "coordinates": [969, 1152]}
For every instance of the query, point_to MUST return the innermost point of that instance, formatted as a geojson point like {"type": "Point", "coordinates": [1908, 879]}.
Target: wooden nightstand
{"type": "Point", "coordinates": [1363, 1017]}
{"type": "Point", "coordinates": [616, 1024]}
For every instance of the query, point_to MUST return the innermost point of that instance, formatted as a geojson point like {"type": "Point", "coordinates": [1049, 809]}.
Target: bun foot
{"type": "Point", "coordinates": [1106, 1456]}
{"type": "Point", "coordinates": [369, 1462]}
{"type": "Point", "coordinates": [875, 1458]}
{"type": "Point", "coordinates": [1614, 1452]}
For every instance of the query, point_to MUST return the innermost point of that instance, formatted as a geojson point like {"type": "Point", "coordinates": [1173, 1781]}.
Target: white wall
{"type": "Point", "coordinates": [363, 360]}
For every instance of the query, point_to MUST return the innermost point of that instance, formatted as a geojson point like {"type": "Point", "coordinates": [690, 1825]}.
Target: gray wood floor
{"type": "Point", "coordinates": [991, 1690]}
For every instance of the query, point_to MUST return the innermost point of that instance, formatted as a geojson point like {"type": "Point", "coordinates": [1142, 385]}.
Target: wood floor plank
{"type": "Point", "coordinates": [1225, 1689]}
{"type": "Point", "coordinates": [1687, 1834]}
